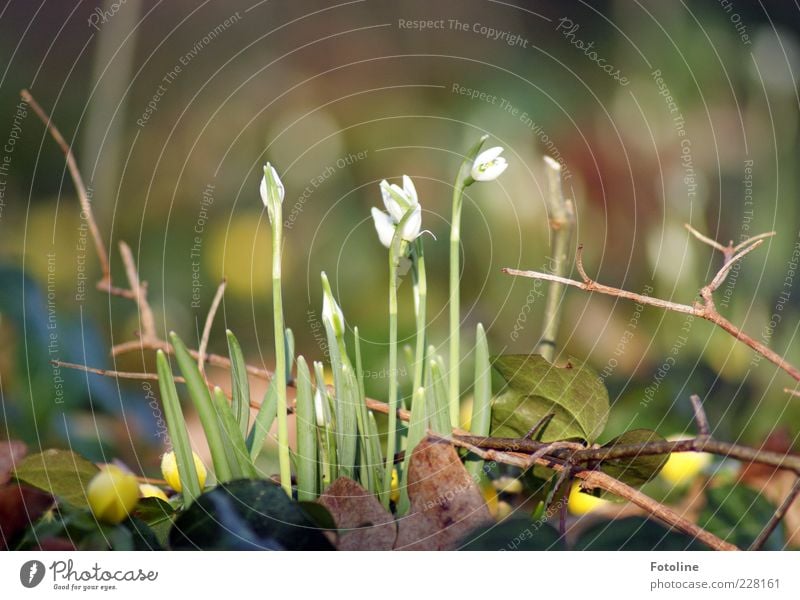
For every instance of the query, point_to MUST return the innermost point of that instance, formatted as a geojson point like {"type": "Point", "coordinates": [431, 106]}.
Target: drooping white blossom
{"type": "Point", "coordinates": [489, 165]}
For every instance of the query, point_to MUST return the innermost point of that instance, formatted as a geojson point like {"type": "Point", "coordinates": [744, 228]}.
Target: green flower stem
{"type": "Point", "coordinates": [420, 302]}
{"type": "Point", "coordinates": [562, 222]}
{"type": "Point", "coordinates": [391, 430]}
{"type": "Point", "coordinates": [279, 377]}
{"type": "Point", "coordinates": [455, 300]}
{"type": "Point", "coordinates": [463, 181]}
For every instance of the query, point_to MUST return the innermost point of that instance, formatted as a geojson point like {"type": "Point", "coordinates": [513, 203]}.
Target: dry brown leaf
{"type": "Point", "coordinates": [446, 504]}
{"type": "Point", "coordinates": [362, 521]}
{"type": "Point", "coordinates": [11, 451]}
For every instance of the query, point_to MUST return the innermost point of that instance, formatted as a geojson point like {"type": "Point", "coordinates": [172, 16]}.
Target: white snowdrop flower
{"type": "Point", "coordinates": [489, 165]}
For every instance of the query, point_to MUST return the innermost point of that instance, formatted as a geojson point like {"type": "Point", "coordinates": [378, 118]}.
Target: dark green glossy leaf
{"type": "Point", "coordinates": [319, 514]}
{"type": "Point", "coordinates": [158, 515]}
{"type": "Point", "coordinates": [246, 515]}
{"type": "Point", "coordinates": [737, 514]}
{"type": "Point", "coordinates": [514, 534]}
{"type": "Point", "coordinates": [634, 533]}
{"type": "Point", "coordinates": [574, 394]}
{"type": "Point", "coordinates": [59, 472]}
{"type": "Point", "coordinates": [635, 470]}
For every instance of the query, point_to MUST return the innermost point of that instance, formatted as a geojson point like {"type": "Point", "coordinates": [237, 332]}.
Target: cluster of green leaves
{"type": "Point", "coordinates": [572, 403]}
{"type": "Point", "coordinates": [241, 514]}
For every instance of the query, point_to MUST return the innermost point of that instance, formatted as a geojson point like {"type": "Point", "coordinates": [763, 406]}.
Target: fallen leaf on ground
{"type": "Point", "coordinates": [362, 521]}
{"type": "Point", "coordinates": [446, 504]}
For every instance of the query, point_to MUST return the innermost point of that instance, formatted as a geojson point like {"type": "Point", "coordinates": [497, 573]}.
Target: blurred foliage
{"type": "Point", "coordinates": [340, 98]}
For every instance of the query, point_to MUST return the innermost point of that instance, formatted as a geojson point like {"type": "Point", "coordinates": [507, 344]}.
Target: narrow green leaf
{"type": "Point", "coordinates": [480, 423]}
{"type": "Point", "coordinates": [240, 384]}
{"type": "Point", "coordinates": [368, 458]}
{"type": "Point", "coordinates": [439, 410]}
{"type": "Point", "coordinates": [176, 427]}
{"type": "Point", "coordinates": [267, 413]}
{"type": "Point", "coordinates": [236, 450]}
{"type": "Point", "coordinates": [201, 398]}
{"type": "Point", "coordinates": [417, 428]}
{"type": "Point", "coordinates": [290, 358]}
{"type": "Point", "coordinates": [306, 435]}
{"type": "Point", "coordinates": [574, 394]}
{"type": "Point", "coordinates": [375, 442]}
{"type": "Point", "coordinates": [345, 413]}
{"type": "Point", "coordinates": [325, 434]}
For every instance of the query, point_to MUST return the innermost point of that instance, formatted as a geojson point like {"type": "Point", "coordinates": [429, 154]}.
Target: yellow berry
{"type": "Point", "coordinates": [148, 490]}
{"type": "Point", "coordinates": [508, 485]}
{"type": "Point", "coordinates": [112, 494]}
{"type": "Point", "coordinates": [169, 469]}
{"type": "Point", "coordinates": [683, 467]}
{"type": "Point", "coordinates": [580, 503]}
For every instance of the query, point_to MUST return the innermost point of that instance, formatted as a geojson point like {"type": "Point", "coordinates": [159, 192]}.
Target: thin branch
{"type": "Point", "coordinates": [700, 417]}
{"type": "Point", "coordinates": [790, 462]}
{"type": "Point", "coordinates": [723, 272]}
{"type": "Point", "coordinates": [777, 517]}
{"type": "Point", "coordinates": [747, 242]}
{"type": "Point", "coordinates": [77, 180]}
{"type": "Point", "coordinates": [707, 240]}
{"type": "Point", "coordinates": [538, 425]}
{"type": "Point", "coordinates": [128, 375]}
{"type": "Point", "coordinates": [597, 479]}
{"type": "Point", "coordinates": [593, 286]}
{"type": "Point", "coordinates": [139, 292]}
{"type": "Point", "coordinates": [562, 222]}
{"type": "Point", "coordinates": [215, 360]}
{"type": "Point", "coordinates": [212, 311]}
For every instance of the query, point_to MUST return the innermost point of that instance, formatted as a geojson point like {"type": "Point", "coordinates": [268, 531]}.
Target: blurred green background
{"type": "Point", "coordinates": [172, 108]}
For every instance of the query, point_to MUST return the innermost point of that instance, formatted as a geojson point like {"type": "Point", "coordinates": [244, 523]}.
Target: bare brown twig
{"type": "Point", "coordinates": [138, 292]}
{"type": "Point", "coordinates": [77, 180]}
{"type": "Point", "coordinates": [705, 309]}
{"type": "Point", "coordinates": [597, 479]}
{"type": "Point", "coordinates": [201, 351]}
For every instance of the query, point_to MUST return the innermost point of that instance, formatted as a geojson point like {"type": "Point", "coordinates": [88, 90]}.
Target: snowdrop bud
{"type": "Point", "coordinates": [169, 469]}
{"type": "Point", "coordinates": [489, 165]}
{"type": "Point", "coordinates": [331, 313]}
{"type": "Point", "coordinates": [272, 190]}
{"type": "Point", "coordinates": [319, 408]}
{"type": "Point", "coordinates": [411, 227]}
{"type": "Point", "coordinates": [112, 494]}
{"type": "Point", "coordinates": [384, 226]}
{"type": "Point", "coordinates": [395, 201]}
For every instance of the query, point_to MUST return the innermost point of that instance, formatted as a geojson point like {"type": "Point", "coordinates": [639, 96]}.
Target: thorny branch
{"type": "Point", "coordinates": [569, 458]}
{"type": "Point", "coordinates": [705, 309]}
